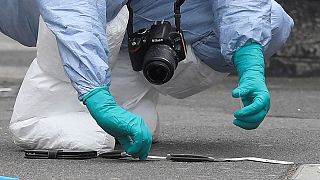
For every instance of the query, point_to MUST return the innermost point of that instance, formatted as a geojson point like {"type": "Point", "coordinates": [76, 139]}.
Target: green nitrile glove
{"type": "Point", "coordinates": [129, 129]}
{"type": "Point", "coordinates": [252, 88]}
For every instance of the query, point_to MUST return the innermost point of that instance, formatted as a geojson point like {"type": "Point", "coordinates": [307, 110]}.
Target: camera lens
{"type": "Point", "coordinates": [157, 72]}
{"type": "Point", "coordinates": [159, 64]}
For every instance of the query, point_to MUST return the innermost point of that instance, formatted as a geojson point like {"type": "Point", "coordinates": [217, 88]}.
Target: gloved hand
{"type": "Point", "coordinates": [129, 129]}
{"type": "Point", "coordinates": [252, 89]}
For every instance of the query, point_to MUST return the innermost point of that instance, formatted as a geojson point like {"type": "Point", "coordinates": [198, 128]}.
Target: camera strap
{"type": "Point", "coordinates": [177, 14]}
{"type": "Point", "coordinates": [130, 21]}
{"type": "Point", "coordinates": [177, 17]}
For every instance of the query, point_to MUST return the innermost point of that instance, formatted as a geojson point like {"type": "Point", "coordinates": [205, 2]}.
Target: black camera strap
{"type": "Point", "coordinates": [177, 14]}
{"type": "Point", "coordinates": [177, 17]}
{"type": "Point", "coordinates": [130, 21]}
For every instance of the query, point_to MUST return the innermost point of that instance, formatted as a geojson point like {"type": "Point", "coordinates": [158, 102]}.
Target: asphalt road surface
{"type": "Point", "coordinates": [201, 124]}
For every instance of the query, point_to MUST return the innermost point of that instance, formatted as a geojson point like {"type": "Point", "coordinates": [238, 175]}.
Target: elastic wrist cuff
{"type": "Point", "coordinates": [248, 48]}
{"type": "Point", "coordinates": [93, 92]}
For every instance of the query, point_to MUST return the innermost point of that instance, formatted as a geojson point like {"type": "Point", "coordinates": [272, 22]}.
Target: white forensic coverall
{"type": "Point", "coordinates": [48, 114]}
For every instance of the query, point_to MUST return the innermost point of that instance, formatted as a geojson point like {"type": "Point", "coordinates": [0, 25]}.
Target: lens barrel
{"type": "Point", "coordinates": [159, 64]}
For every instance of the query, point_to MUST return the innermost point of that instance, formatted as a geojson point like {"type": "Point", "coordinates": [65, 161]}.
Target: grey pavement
{"type": "Point", "coordinates": [201, 124]}
{"type": "Point", "coordinates": [14, 58]}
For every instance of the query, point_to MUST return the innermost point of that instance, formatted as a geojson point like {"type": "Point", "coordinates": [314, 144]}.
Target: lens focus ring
{"type": "Point", "coordinates": [159, 64]}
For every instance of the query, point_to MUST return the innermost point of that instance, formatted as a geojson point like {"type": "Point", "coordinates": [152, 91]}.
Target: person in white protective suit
{"type": "Point", "coordinates": [78, 42]}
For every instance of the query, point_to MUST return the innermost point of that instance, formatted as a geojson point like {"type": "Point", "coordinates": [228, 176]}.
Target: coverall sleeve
{"type": "Point", "coordinates": [238, 22]}
{"type": "Point", "coordinates": [80, 30]}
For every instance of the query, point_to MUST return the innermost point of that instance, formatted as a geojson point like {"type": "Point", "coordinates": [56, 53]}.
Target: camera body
{"type": "Point", "coordinates": [157, 51]}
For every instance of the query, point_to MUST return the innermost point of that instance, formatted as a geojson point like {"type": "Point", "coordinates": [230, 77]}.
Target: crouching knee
{"type": "Point", "coordinates": [282, 25]}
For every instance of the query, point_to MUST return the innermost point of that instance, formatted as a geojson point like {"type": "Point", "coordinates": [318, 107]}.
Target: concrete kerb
{"type": "Point", "coordinates": [307, 171]}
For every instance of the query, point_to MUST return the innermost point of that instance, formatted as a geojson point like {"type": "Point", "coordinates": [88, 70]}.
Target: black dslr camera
{"type": "Point", "coordinates": [157, 51]}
